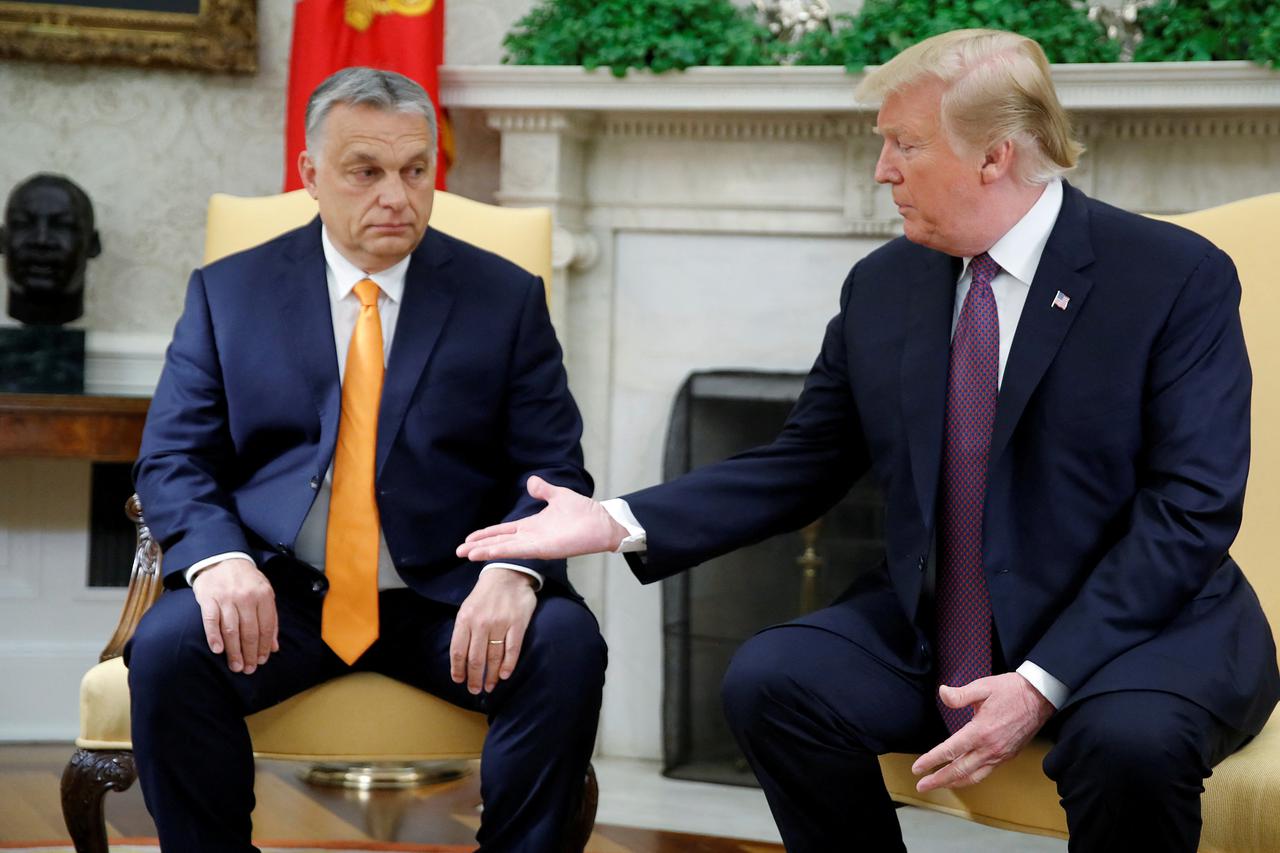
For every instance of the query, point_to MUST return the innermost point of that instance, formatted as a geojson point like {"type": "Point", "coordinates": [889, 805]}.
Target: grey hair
{"type": "Point", "coordinates": [369, 87]}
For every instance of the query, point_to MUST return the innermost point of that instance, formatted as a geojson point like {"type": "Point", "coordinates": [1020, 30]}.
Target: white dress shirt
{"type": "Point", "coordinates": [341, 277]}
{"type": "Point", "coordinates": [1018, 254]}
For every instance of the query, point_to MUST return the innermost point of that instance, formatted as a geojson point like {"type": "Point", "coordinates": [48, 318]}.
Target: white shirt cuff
{"type": "Point", "coordinates": [621, 513]}
{"type": "Point", "coordinates": [1050, 688]}
{"type": "Point", "coordinates": [199, 566]}
{"type": "Point", "coordinates": [524, 570]}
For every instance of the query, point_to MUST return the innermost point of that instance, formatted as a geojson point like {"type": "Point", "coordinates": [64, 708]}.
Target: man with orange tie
{"type": "Point", "coordinates": [339, 406]}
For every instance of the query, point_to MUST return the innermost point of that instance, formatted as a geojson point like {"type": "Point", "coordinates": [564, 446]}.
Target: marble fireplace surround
{"type": "Point", "coordinates": [705, 220]}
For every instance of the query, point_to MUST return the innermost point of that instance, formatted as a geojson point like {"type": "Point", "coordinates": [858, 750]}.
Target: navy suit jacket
{"type": "Point", "coordinates": [244, 420]}
{"type": "Point", "coordinates": [1116, 473]}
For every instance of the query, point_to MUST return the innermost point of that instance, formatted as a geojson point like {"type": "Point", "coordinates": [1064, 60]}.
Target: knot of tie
{"type": "Point", "coordinates": [984, 269]}
{"type": "Point", "coordinates": [367, 292]}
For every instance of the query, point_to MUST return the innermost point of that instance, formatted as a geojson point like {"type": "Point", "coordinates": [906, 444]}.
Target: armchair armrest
{"type": "Point", "coordinates": [145, 582]}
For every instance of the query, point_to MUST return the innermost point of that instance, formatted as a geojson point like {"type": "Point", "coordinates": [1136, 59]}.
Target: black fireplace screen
{"type": "Point", "coordinates": [709, 611]}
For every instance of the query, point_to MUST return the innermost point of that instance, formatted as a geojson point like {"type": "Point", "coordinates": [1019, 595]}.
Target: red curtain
{"type": "Point", "coordinates": [406, 36]}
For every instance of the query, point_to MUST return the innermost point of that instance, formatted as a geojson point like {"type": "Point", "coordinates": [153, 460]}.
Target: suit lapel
{"type": "Point", "coordinates": [925, 361]}
{"type": "Point", "coordinates": [303, 303]}
{"type": "Point", "coordinates": [430, 287]}
{"type": "Point", "coordinates": [1043, 326]}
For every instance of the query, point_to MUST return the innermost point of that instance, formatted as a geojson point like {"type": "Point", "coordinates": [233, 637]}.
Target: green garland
{"type": "Point", "coordinates": [1210, 29]}
{"type": "Point", "coordinates": [885, 27]}
{"type": "Point", "coordinates": [662, 35]}
{"type": "Point", "coordinates": [656, 34]}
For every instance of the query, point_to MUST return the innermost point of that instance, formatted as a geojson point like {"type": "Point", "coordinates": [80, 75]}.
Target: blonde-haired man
{"type": "Point", "coordinates": [1053, 396]}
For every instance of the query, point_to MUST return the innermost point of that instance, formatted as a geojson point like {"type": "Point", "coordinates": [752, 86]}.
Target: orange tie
{"type": "Point", "coordinates": [350, 620]}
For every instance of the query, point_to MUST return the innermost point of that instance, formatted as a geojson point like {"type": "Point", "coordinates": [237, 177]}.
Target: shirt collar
{"type": "Point", "coordinates": [1018, 251]}
{"type": "Point", "coordinates": [347, 274]}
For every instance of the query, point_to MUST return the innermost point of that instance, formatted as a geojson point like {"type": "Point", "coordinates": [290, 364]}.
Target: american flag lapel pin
{"type": "Point", "coordinates": [1060, 301]}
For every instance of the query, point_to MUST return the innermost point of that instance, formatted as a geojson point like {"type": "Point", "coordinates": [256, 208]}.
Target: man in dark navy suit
{"type": "Point", "coordinates": [1053, 396]}
{"type": "Point", "coordinates": [338, 407]}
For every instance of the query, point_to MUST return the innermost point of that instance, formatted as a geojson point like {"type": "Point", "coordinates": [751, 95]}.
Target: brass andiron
{"type": "Point", "coordinates": [809, 562]}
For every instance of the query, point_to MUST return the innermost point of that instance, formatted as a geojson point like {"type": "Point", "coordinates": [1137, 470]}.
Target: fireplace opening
{"type": "Point", "coordinates": [709, 611]}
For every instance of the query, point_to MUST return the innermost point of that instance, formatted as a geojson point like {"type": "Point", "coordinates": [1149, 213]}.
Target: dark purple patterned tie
{"type": "Point", "coordinates": [964, 610]}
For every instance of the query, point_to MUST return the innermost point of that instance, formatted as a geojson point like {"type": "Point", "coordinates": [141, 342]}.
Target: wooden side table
{"type": "Point", "coordinates": [69, 426]}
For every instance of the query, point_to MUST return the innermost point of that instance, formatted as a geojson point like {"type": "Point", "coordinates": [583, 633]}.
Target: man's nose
{"type": "Point", "coordinates": [393, 192]}
{"type": "Point", "coordinates": [886, 172]}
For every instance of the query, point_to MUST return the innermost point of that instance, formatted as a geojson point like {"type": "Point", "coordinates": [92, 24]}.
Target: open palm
{"type": "Point", "coordinates": [570, 525]}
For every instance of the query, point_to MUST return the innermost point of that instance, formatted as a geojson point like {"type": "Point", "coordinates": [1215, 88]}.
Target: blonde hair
{"type": "Point", "coordinates": [998, 88]}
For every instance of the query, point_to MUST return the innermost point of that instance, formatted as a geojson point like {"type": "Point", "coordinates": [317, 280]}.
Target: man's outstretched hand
{"type": "Point", "coordinates": [570, 525]}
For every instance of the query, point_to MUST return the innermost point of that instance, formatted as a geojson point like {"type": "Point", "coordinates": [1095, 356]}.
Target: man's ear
{"type": "Point", "coordinates": [95, 245]}
{"type": "Point", "coordinates": [307, 171]}
{"type": "Point", "coordinates": [998, 162]}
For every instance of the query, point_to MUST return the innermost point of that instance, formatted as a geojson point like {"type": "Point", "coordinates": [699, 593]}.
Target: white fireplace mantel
{"type": "Point", "coordinates": [1126, 87]}
{"type": "Point", "coordinates": [563, 129]}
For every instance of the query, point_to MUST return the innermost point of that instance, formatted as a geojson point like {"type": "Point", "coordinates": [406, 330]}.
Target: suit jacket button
{"type": "Point", "coordinates": [314, 483]}
{"type": "Point", "coordinates": [920, 564]}
{"type": "Point", "coordinates": [318, 586]}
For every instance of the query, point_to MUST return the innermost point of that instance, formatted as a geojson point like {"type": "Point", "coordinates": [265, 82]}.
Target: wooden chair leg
{"type": "Point", "coordinates": [584, 819]}
{"type": "Point", "coordinates": [85, 781]}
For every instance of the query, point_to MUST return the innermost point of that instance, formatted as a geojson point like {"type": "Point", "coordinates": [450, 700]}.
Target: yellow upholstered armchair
{"type": "Point", "coordinates": [1241, 802]}
{"type": "Point", "coordinates": [363, 718]}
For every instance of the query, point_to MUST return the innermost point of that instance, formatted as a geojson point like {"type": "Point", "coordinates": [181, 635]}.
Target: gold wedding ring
{"type": "Point", "coordinates": [496, 642]}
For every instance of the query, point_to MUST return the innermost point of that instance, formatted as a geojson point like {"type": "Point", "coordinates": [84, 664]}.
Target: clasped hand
{"type": "Point", "coordinates": [1008, 712]}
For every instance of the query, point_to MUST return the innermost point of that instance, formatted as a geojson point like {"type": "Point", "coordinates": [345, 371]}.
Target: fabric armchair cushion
{"type": "Point", "coordinates": [359, 717]}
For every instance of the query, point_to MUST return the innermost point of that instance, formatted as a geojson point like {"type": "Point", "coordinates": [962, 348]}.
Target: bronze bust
{"type": "Point", "coordinates": [47, 238]}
